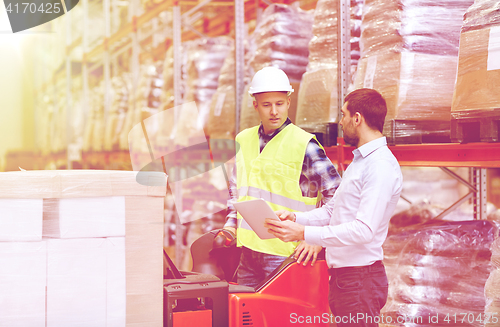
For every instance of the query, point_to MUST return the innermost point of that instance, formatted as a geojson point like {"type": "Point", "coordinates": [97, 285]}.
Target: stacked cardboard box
{"type": "Point", "coordinates": [478, 74]}
{"type": "Point", "coordinates": [81, 248]}
{"type": "Point", "coordinates": [317, 100]}
{"type": "Point", "coordinates": [409, 53]}
{"type": "Point", "coordinates": [405, 79]}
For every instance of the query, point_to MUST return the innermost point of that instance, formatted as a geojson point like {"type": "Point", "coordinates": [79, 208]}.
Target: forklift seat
{"type": "Point", "coordinates": [171, 275]}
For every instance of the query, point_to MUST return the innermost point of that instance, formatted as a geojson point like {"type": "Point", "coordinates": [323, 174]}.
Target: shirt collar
{"type": "Point", "coordinates": [368, 148]}
{"type": "Point", "coordinates": [285, 124]}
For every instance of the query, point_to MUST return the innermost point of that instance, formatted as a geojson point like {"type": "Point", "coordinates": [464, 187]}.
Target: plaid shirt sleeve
{"type": "Point", "coordinates": [318, 174]}
{"type": "Point", "coordinates": [231, 219]}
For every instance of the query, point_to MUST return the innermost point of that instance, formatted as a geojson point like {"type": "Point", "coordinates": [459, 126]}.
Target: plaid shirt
{"type": "Point", "coordinates": [318, 174]}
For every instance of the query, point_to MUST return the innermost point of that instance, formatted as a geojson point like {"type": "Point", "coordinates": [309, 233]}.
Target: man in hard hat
{"type": "Point", "coordinates": [354, 224]}
{"type": "Point", "coordinates": [282, 164]}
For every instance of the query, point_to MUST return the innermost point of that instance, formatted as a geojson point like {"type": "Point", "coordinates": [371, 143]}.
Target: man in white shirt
{"type": "Point", "coordinates": [353, 225]}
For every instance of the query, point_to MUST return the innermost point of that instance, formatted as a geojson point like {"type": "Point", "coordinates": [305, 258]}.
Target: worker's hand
{"type": "Point", "coordinates": [225, 238]}
{"type": "Point", "coordinates": [307, 252]}
{"type": "Point", "coordinates": [286, 230]}
{"type": "Point", "coordinates": [285, 215]}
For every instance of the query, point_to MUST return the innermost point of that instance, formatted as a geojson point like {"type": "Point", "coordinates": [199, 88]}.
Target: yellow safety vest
{"type": "Point", "coordinates": [272, 175]}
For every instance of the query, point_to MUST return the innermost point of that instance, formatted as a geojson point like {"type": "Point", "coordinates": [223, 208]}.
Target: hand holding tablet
{"type": "Point", "coordinates": [255, 213]}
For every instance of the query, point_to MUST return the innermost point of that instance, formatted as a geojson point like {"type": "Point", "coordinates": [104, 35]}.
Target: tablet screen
{"type": "Point", "coordinates": [254, 213]}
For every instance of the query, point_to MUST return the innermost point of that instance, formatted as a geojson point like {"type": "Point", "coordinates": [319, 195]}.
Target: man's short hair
{"type": "Point", "coordinates": [370, 104]}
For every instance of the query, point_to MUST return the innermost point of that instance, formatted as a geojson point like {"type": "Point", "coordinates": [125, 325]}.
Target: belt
{"type": "Point", "coordinates": [369, 268]}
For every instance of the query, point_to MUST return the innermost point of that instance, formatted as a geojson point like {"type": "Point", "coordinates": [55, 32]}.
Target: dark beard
{"type": "Point", "coordinates": [351, 139]}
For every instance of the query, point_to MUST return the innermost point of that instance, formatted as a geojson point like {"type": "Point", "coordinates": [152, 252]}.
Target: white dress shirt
{"type": "Point", "coordinates": [353, 225]}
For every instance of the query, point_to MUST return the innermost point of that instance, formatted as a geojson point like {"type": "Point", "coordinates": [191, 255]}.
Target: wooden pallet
{"type": "Point", "coordinates": [326, 133]}
{"type": "Point", "coordinates": [402, 131]}
{"type": "Point", "coordinates": [475, 126]}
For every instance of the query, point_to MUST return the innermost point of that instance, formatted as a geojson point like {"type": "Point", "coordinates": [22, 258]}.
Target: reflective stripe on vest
{"type": "Point", "coordinates": [272, 175]}
{"type": "Point", "coordinates": [290, 204]}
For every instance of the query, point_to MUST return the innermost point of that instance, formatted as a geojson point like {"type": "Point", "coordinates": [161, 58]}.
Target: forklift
{"type": "Point", "coordinates": [207, 296]}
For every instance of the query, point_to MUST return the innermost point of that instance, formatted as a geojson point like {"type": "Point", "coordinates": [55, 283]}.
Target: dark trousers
{"type": "Point", "coordinates": [357, 294]}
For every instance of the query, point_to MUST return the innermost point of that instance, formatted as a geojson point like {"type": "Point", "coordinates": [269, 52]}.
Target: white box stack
{"type": "Point", "coordinates": [21, 220]}
{"type": "Point", "coordinates": [23, 268]}
{"type": "Point", "coordinates": [100, 260]}
{"type": "Point", "coordinates": [84, 217]}
{"type": "Point", "coordinates": [76, 282]}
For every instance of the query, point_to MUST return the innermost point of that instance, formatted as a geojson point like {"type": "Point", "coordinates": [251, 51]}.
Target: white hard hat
{"type": "Point", "coordinates": [270, 79]}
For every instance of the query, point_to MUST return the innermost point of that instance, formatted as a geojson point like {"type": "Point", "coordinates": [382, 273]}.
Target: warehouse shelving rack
{"type": "Point", "coordinates": [188, 23]}
{"type": "Point", "coordinates": [475, 156]}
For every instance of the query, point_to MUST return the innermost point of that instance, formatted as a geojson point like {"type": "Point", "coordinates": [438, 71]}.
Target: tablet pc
{"type": "Point", "coordinates": [254, 213]}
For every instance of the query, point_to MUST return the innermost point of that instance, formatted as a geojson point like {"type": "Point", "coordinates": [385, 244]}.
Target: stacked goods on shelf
{"type": "Point", "coordinates": [153, 92]}
{"type": "Point", "coordinates": [166, 119]}
{"type": "Point", "coordinates": [248, 116]}
{"type": "Point", "coordinates": [96, 23]}
{"type": "Point", "coordinates": [317, 98]}
{"type": "Point", "coordinates": [93, 138]}
{"type": "Point", "coordinates": [476, 98]}
{"type": "Point", "coordinates": [81, 248]}
{"type": "Point", "coordinates": [205, 58]}
{"type": "Point", "coordinates": [437, 272]}
{"type": "Point", "coordinates": [168, 79]}
{"type": "Point", "coordinates": [356, 16]}
{"type": "Point", "coordinates": [221, 122]}
{"type": "Point", "coordinates": [120, 89]}
{"type": "Point", "coordinates": [222, 117]}
{"type": "Point", "coordinates": [280, 39]}
{"type": "Point", "coordinates": [145, 102]}
{"type": "Point", "coordinates": [44, 138]}
{"type": "Point", "coordinates": [58, 138]}
{"type": "Point", "coordinates": [409, 53]}
{"type": "Point", "coordinates": [492, 288]}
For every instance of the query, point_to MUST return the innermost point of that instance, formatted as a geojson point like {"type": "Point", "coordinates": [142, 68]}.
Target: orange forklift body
{"type": "Point", "coordinates": [296, 295]}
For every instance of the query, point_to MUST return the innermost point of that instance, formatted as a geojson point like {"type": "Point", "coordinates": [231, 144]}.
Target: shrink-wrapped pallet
{"type": "Point", "coordinates": [409, 53]}
{"type": "Point", "coordinates": [222, 116]}
{"type": "Point", "coordinates": [143, 103]}
{"type": "Point", "coordinates": [478, 74]}
{"type": "Point", "coordinates": [318, 94]}
{"type": "Point", "coordinates": [165, 121]}
{"type": "Point", "coordinates": [281, 39]}
{"type": "Point", "coordinates": [204, 60]}
{"type": "Point", "coordinates": [93, 138]}
{"type": "Point", "coordinates": [120, 89]}
{"type": "Point", "coordinates": [221, 122]}
{"type": "Point", "coordinates": [492, 288]}
{"type": "Point", "coordinates": [437, 272]}
{"type": "Point", "coordinates": [99, 258]}
{"type": "Point", "coordinates": [409, 83]}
